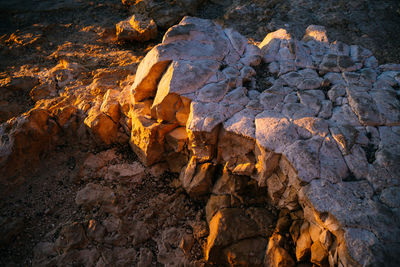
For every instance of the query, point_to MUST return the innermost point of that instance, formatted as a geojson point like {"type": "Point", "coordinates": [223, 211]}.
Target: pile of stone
{"type": "Point", "coordinates": [323, 140]}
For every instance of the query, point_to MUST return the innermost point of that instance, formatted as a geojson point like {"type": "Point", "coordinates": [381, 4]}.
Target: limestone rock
{"type": "Point", "coordinates": [321, 137]}
{"type": "Point", "coordinates": [136, 28]}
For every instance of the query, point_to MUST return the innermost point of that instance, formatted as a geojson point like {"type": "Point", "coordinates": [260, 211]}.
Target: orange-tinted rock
{"type": "Point", "coordinates": [147, 138]}
{"type": "Point", "coordinates": [319, 254]}
{"type": "Point", "coordinates": [197, 178]}
{"type": "Point", "coordinates": [226, 227]}
{"type": "Point", "coordinates": [303, 244]}
{"type": "Point", "coordinates": [102, 126]}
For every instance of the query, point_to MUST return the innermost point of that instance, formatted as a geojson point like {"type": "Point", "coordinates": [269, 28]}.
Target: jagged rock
{"type": "Point", "coordinates": [110, 105]}
{"type": "Point", "coordinates": [147, 138]}
{"type": "Point", "coordinates": [306, 137]}
{"type": "Point", "coordinates": [16, 151]}
{"type": "Point", "coordinates": [102, 126]}
{"type": "Point", "coordinates": [276, 255]}
{"type": "Point", "coordinates": [227, 226]}
{"type": "Point", "coordinates": [136, 28]}
{"type": "Point", "coordinates": [197, 178]}
{"type": "Point", "coordinates": [318, 253]}
{"type": "Point", "coordinates": [303, 244]}
{"type": "Point", "coordinates": [216, 203]}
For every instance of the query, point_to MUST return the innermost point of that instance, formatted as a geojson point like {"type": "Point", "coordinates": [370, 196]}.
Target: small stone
{"type": "Point", "coordinates": [136, 28]}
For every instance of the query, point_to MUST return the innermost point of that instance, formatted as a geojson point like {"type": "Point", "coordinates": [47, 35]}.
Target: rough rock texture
{"type": "Point", "coordinates": [136, 28]}
{"type": "Point", "coordinates": [323, 137]}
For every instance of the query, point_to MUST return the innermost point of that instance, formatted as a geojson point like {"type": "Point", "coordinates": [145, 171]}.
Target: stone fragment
{"type": "Point", "coordinates": [94, 194]}
{"type": "Point", "coordinates": [226, 227]}
{"type": "Point", "coordinates": [216, 203]}
{"type": "Point", "coordinates": [136, 28]}
{"type": "Point", "coordinates": [276, 255]}
{"type": "Point", "coordinates": [110, 105]}
{"type": "Point", "coordinates": [197, 178]}
{"type": "Point", "coordinates": [72, 236]}
{"type": "Point", "coordinates": [247, 252]}
{"type": "Point", "coordinates": [102, 126]}
{"type": "Point", "coordinates": [318, 253]}
{"type": "Point", "coordinates": [147, 138]}
{"type": "Point", "coordinates": [131, 173]}
{"type": "Point", "coordinates": [316, 32]}
{"type": "Point", "coordinates": [303, 244]}
{"type": "Point", "coordinates": [177, 139]}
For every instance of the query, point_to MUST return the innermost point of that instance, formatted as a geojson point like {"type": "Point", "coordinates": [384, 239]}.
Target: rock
{"type": "Point", "coordinates": [94, 195]}
{"type": "Point", "coordinates": [102, 126]}
{"type": "Point", "coordinates": [318, 254]}
{"type": "Point", "coordinates": [72, 236]}
{"type": "Point", "coordinates": [177, 139]}
{"type": "Point", "coordinates": [35, 125]}
{"type": "Point", "coordinates": [248, 252]}
{"type": "Point", "coordinates": [226, 227]}
{"type": "Point", "coordinates": [147, 139]}
{"type": "Point", "coordinates": [303, 244]}
{"type": "Point", "coordinates": [197, 178]}
{"type": "Point", "coordinates": [132, 173]}
{"type": "Point", "coordinates": [308, 137]}
{"type": "Point", "coordinates": [276, 255]}
{"type": "Point", "coordinates": [110, 105]}
{"type": "Point", "coordinates": [316, 32]}
{"type": "Point", "coordinates": [216, 203]}
{"type": "Point", "coordinates": [136, 28]}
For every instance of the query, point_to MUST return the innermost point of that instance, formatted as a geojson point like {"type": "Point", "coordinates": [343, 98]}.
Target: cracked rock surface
{"type": "Point", "coordinates": [322, 137]}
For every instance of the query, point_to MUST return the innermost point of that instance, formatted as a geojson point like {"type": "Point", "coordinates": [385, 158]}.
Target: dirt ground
{"type": "Point", "coordinates": [35, 35]}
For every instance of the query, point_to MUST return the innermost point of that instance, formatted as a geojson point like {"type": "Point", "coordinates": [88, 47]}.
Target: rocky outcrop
{"type": "Point", "coordinates": [322, 139]}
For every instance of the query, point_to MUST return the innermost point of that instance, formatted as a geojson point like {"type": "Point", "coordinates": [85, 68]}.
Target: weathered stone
{"type": "Point", "coordinates": [228, 226]}
{"type": "Point", "coordinates": [316, 32]}
{"type": "Point", "coordinates": [136, 28]}
{"type": "Point", "coordinates": [147, 138]}
{"type": "Point", "coordinates": [132, 173]}
{"type": "Point", "coordinates": [303, 244]}
{"type": "Point", "coordinates": [276, 254]}
{"type": "Point", "coordinates": [72, 236]}
{"type": "Point", "coordinates": [248, 252]}
{"type": "Point", "coordinates": [318, 253]}
{"type": "Point", "coordinates": [103, 127]}
{"type": "Point", "coordinates": [197, 178]}
{"type": "Point", "coordinates": [364, 106]}
{"type": "Point", "coordinates": [216, 203]}
{"type": "Point", "coordinates": [94, 194]}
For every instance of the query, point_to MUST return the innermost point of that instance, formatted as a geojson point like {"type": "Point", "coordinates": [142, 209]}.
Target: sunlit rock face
{"type": "Point", "coordinates": [323, 140]}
